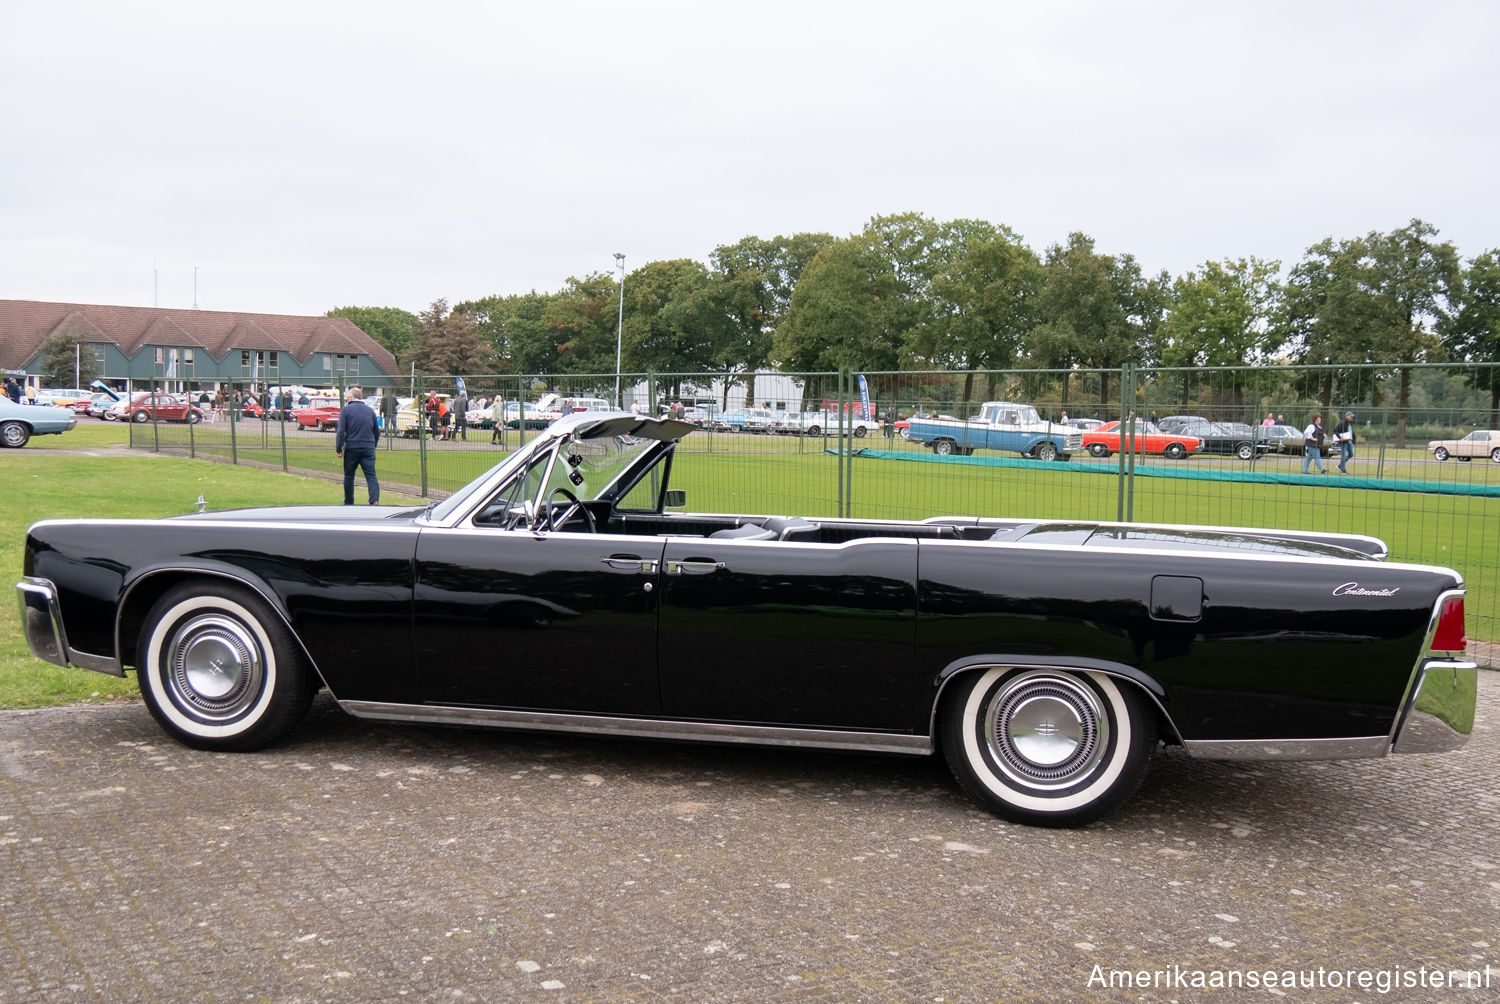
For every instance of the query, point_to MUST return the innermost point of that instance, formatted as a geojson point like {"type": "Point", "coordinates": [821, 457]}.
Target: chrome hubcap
{"type": "Point", "coordinates": [1046, 731]}
{"type": "Point", "coordinates": [214, 667]}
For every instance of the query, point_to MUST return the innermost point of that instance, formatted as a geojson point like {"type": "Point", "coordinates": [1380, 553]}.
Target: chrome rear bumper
{"type": "Point", "coordinates": [41, 622]}
{"type": "Point", "coordinates": [1440, 713]}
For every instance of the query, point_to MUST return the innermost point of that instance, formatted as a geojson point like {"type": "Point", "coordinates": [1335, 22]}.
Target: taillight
{"type": "Point", "coordinates": [1450, 629]}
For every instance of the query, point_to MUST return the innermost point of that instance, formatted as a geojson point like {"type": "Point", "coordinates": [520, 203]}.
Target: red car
{"type": "Point", "coordinates": [1103, 441]}
{"type": "Point", "coordinates": [164, 408]}
{"type": "Point", "coordinates": [320, 414]}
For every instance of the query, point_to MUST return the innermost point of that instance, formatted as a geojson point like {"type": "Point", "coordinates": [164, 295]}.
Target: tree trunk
{"type": "Point", "coordinates": [1103, 389]}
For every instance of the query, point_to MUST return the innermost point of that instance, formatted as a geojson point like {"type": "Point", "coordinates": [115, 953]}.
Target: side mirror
{"type": "Point", "coordinates": [676, 498]}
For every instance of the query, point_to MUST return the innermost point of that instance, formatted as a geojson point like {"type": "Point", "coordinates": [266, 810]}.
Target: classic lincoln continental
{"type": "Point", "coordinates": [567, 589]}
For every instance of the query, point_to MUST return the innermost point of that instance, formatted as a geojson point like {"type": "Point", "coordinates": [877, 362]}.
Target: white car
{"type": "Point", "coordinates": [1479, 443]}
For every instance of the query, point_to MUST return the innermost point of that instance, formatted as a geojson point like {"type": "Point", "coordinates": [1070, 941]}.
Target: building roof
{"type": "Point", "coordinates": [26, 324]}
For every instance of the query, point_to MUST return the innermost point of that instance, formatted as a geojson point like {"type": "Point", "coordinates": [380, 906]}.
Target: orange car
{"type": "Point", "coordinates": [1105, 440]}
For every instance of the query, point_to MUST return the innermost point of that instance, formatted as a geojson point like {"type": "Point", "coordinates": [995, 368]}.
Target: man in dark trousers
{"type": "Point", "coordinates": [1343, 434]}
{"type": "Point", "coordinates": [355, 443]}
{"type": "Point", "coordinates": [461, 416]}
{"type": "Point", "coordinates": [388, 413]}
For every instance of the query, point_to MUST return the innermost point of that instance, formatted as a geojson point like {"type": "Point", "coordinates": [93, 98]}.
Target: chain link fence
{"type": "Point", "coordinates": [843, 443]}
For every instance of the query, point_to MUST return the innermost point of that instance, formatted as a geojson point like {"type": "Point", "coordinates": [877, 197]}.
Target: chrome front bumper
{"type": "Point", "coordinates": [1439, 715]}
{"type": "Point", "coordinates": [41, 622]}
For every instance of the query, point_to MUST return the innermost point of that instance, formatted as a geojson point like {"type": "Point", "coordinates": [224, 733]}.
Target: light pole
{"type": "Point", "coordinates": [620, 329]}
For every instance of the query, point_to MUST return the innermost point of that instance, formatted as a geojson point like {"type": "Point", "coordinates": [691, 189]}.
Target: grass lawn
{"type": "Point", "coordinates": [89, 472]}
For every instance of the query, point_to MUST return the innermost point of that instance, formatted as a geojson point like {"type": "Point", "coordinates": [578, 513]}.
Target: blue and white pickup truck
{"type": "Point", "coordinates": [1000, 425]}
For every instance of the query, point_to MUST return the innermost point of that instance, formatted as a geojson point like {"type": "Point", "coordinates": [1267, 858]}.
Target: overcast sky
{"type": "Point", "coordinates": [305, 155]}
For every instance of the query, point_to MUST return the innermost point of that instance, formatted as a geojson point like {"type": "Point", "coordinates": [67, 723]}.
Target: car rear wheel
{"type": "Point", "coordinates": [944, 447]}
{"type": "Point", "coordinates": [1244, 451]}
{"type": "Point", "coordinates": [1098, 450]}
{"type": "Point", "coordinates": [1047, 747]}
{"type": "Point", "coordinates": [1495, 454]}
{"type": "Point", "coordinates": [815, 430]}
{"type": "Point", "coordinates": [1174, 451]}
{"type": "Point", "coordinates": [1442, 454]}
{"type": "Point", "coordinates": [219, 670]}
{"type": "Point", "coordinates": [193, 417]}
{"type": "Point", "coordinates": [859, 432]}
{"type": "Point", "coordinates": [14, 434]}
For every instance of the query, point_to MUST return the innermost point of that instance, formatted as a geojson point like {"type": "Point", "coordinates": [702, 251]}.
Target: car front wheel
{"type": "Point", "coordinates": [1442, 454]}
{"type": "Point", "coordinates": [1495, 454]}
{"type": "Point", "coordinates": [1244, 451]}
{"type": "Point", "coordinates": [219, 670]}
{"type": "Point", "coordinates": [1047, 747]}
{"type": "Point", "coordinates": [859, 432]}
{"type": "Point", "coordinates": [1174, 451]}
{"type": "Point", "coordinates": [1098, 450]}
{"type": "Point", "coordinates": [14, 434]}
{"type": "Point", "coordinates": [1045, 451]}
{"type": "Point", "coordinates": [140, 416]}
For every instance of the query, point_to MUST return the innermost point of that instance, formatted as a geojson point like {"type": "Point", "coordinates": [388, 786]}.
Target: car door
{"type": "Point", "coordinates": [789, 633]}
{"type": "Point", "coordinates": [548, 621]}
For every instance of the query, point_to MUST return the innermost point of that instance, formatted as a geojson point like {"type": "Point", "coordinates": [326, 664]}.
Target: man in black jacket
{"type": "Point", "coordinates": [1343, 434]}
{"type": "Point", "coordinates": [355, 443]}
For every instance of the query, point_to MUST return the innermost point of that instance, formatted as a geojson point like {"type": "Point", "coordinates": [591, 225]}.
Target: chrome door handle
{"type": "Point", "coordinates": [631, 563]}
{"type": "Point", "coordinates": [693, 566]}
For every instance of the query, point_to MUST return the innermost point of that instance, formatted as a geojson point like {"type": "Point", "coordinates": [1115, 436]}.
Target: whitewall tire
{"type": "Point", "coordinates": [1047, 747]}
{"type": "Point", "coordinates": [219, 670]}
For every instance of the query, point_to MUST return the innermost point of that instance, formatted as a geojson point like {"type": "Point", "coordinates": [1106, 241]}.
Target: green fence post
{"type": "Point", "coordinates": [421, 433]}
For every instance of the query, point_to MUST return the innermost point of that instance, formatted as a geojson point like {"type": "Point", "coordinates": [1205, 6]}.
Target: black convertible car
{"type": "Point", "coordinates": [565, 590]}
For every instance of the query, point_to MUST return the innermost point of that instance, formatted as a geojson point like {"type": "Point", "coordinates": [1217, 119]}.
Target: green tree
{"type": "Point", "coordinates": [1098, 311]}
{"type": "Point", "coordinates": [514, 327]}
{"type": "Point", "coordinates": [582, 319]}
{"type": "Point", "coordinates": [1221, 317]}
{"type": "Point", "coordinates": [66, 362]}
{"type": "Point", "coordinates": [754, 279]}
{"type": "Point", "coordinates": [983, 285]}
{"type": "Point", "coordinates": [392, 327]}
{"type": "Point", "coordinates": [449, 343]}
{"type": "Point", "coordinates": [1472, 332]}
{"type": "Point", "coordinates": [674, 320]}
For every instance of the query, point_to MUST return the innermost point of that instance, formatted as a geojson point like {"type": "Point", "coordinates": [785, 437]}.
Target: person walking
{"type": "Point", "coordinates": [461, 416]}
{"type": "Point", "coordinates": [1312, 444]}
{"type": "Point", "coordinates": [1343, 434]}
{"type": "Point", "coordinates": [388, 413]}
{"type": "Point", "coordinates": [355, 442]}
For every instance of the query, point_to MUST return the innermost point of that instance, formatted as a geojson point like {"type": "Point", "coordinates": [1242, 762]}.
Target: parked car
{"type": "Point", "coordinates": [1224, 439]}
{"type": "Point", "coordinates": [320, 413]}
{"type": "Point", "coordinates": [96, 404]}
{"type": "Point", "coordinates": [163, 407]}
{"type": "Point", "coordinates": [1106, 439]}
{"type": "Point", "coordinates": [1289, 439]}
{"type": "Point", "coordinates": [824, 423]}
{"type": "Point", "coordinates": [746, 420]}
{"type": "Point", "coordinates": [61, 398]}
{"type": "Point", "coordinates": [19, 422]}
{"type": "Point", "coordinates": [903, 426]}
{"type": "Point", "coordinates": [567, 589]}
{"type": "Point", "coordinates": [1479, 443]}
{"type": "Point", "coordinates": [1000, 425]}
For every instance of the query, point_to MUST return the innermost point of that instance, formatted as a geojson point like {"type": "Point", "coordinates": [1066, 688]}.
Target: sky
{"type": "Point", "coordinates": [294, 157]}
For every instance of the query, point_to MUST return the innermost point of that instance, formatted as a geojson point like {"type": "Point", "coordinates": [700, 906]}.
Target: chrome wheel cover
{"type": "Point", "coordinates": [213, 667]}
{"type": "Point", "coordinates": [1045, 731]}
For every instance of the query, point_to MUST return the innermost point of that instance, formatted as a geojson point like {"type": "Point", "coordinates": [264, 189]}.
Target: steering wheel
{"type": "Point", "coordinates": [551, 520]}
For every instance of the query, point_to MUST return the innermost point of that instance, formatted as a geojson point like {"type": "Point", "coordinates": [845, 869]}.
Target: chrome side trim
{"type": "Point", "coordinates": [1441, 714]}
{"type": "Point", "coordinates": [641, 728]}
{"type": "Point", "coordinates": [41, 622]}
{"type": "Point", "coordinates": [1354, 748]}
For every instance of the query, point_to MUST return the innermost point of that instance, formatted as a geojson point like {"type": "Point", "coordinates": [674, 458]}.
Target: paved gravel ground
{"type": "Point", "coordinates": [378, 862]}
